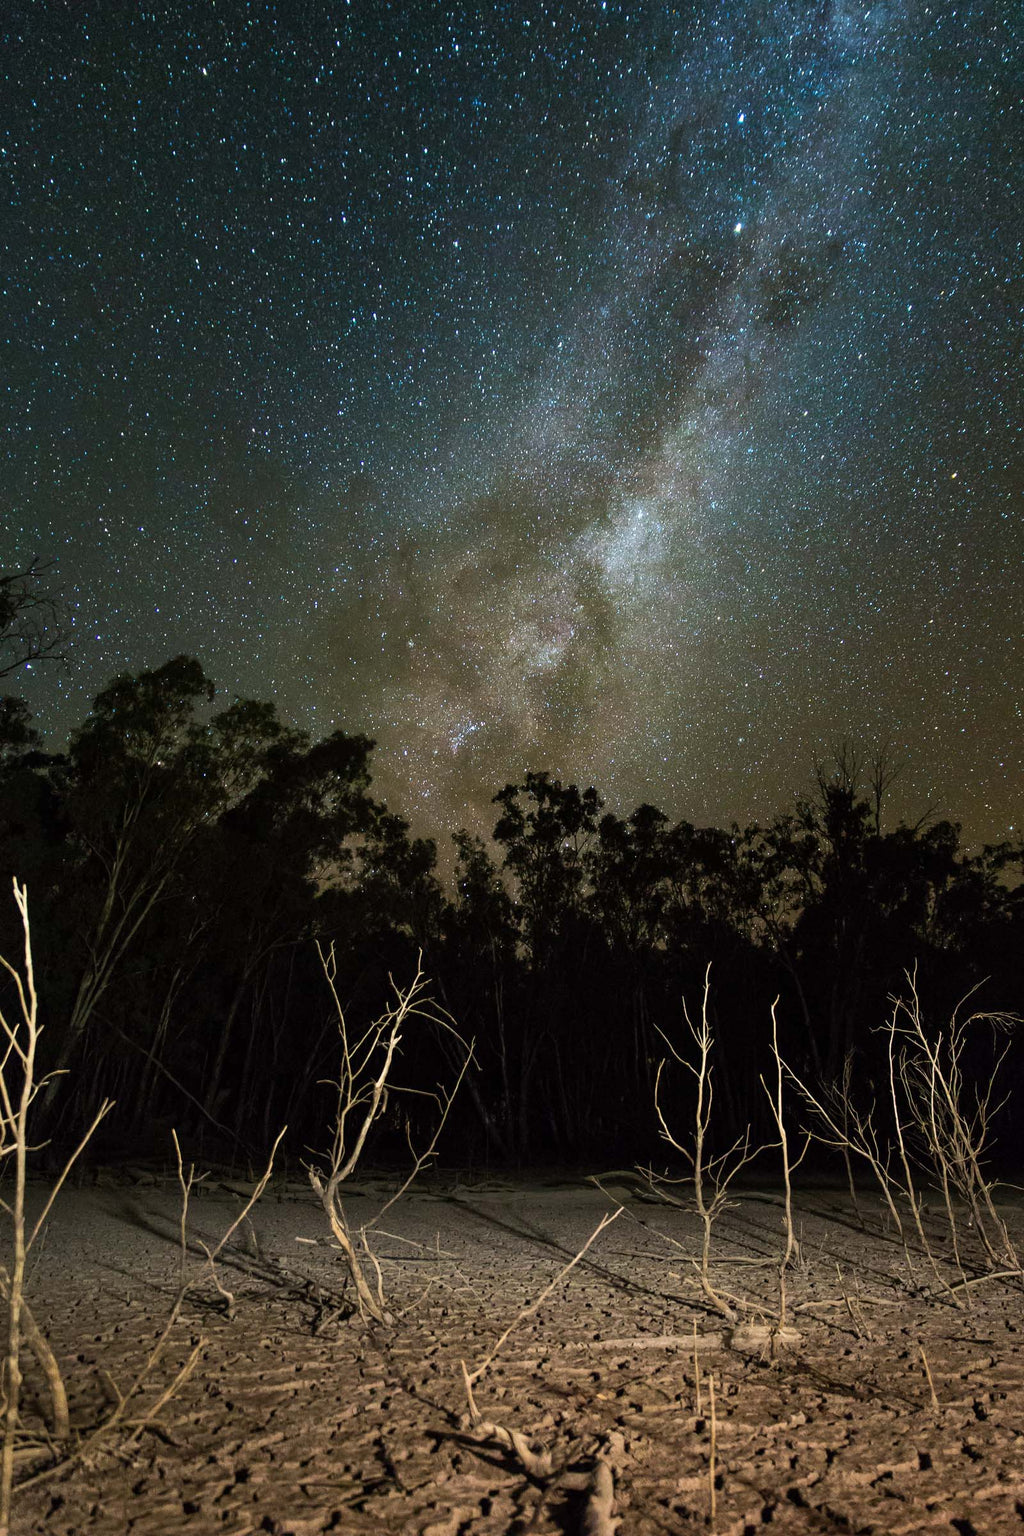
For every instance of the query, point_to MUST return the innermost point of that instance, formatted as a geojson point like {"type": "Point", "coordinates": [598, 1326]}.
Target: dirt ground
{"type": "Point", "coordinates": [886, 1412]}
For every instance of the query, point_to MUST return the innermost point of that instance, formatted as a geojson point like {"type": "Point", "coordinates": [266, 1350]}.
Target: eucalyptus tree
{"type": "Point", "coordinates": [479, 974]}
{"type": "Point", "coordinates": [547, 832]}
{"type": "Point", "coordinates": [289, 832]}
{"type": "Point", "coordinates": [195, 817]}
{"type": "Point", "coordinates": [138, 788]}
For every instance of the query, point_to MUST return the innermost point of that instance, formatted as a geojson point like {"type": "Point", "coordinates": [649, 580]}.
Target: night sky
{"type": "Point", "coordinates": [632, 391]}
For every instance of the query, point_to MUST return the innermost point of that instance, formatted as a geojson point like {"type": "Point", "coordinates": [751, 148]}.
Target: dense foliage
{"type": "Point", "coordinates": [181, 860]}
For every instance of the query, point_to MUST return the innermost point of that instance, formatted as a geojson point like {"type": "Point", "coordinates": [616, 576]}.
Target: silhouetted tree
{"type": "Point", "coordinates": [137, 790]}
{"type": "Point", "coordinates": [30, 620]}
{"type": "Point", "coordinates": [547, 831]}
{"type": "Point", "coordinates": [480, 982]}
{"type": "Point", "coordinates": [294, 815]}
{"type": "Point", "coordinates": [181, 861]}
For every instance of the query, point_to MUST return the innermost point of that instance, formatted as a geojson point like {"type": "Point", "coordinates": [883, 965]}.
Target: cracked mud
{"type": "Point", "coordinates": [622, 1403]}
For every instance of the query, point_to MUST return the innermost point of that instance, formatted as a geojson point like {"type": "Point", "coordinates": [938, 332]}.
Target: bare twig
{"type": "Point", "coordinates": [928, 1374]}
{"type": "Point", "coordinates": [119, 1418]}
{"type": "Point", "coordinates": [774, 1095]}
{"type": "Point", "coordinates": [18, 1090]}
{"type": "Point", "coordinates": [713, 1176]}
{"type": "Point", "coordinates": [713, 1449]}
{"type": "Point", "coordinates": [538, 1464]}
{"type": "Point", "coordinates": [538, 1301]}
{"type": "Point", "coordinates": [362, 1085]}
{"type": "Point", "coordinates": [953, 1131]}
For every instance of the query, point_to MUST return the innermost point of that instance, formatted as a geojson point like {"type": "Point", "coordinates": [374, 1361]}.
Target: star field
{"type": "Point", "coordinates": [624, 390]}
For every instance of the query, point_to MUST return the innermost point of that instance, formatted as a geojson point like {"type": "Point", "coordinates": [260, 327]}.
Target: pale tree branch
{"type": "Point", "coordinates": [364, 1080]}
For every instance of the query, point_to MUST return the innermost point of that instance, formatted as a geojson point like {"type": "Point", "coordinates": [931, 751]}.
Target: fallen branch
{"type": "Point", "coordinates": [599, 1511]}
{"type": "Point", "coordinates": [538, 1302]}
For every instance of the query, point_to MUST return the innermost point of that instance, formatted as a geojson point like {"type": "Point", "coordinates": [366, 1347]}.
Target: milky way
{"type": "Point", "coordinates": [625, 391]}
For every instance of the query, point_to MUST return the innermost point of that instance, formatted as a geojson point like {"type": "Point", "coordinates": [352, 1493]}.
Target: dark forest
{"type": "Point", "coordinates": [183, 861]}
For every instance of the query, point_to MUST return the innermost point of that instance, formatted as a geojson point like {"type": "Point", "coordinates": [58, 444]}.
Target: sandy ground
{"type": "Point", "coordinates": [299, 1419]}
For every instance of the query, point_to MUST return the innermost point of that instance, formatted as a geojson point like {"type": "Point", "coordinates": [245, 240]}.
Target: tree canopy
{"type": "Point", "coordinates": [182, 857]}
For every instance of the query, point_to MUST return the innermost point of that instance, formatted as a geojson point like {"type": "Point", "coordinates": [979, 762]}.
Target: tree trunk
{"type": "Point", "coordinates": [217, 1071]}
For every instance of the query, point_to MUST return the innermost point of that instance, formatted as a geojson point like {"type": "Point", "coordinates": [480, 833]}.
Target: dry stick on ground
{"type": "Point", "coordinates": [696, 1373]}
{"type": "Point", "coordinates": [536, 1463]}
{"type": "Point", "coordinates": [186, 1183]}
{"type": "Point", "coordinates": [119, 1417]}
{"type": "Point", "coordinates": [534, 1306]}
{"type": "Point", "coordinates": [712, 1469]}
{"type": "Point", "coordinates": [712, 1177]}
{"type": "Point", "coordinates": [187, 1283]}
{"type": "Point", "coordinates": [928, 1374]}
{"type": "Point", "coordinates": [858, 1328]}
{"type": "Point", "coordinates": [18, 1089]}
{"type": "Point", "coordinates": [599, 1518]}
{"type": "Point", "coordinates": [363, 1084]}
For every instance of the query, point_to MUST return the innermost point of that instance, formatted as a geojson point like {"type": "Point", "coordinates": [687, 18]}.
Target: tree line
{"type": "Point", "coordinates": [182, 860]}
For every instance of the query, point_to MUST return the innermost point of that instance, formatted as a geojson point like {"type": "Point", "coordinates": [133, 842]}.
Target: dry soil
{"type": "Point", "coordinates": [893, 1406]}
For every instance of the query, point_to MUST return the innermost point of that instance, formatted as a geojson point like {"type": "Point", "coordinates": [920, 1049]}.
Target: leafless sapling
{"type": "Point", "coordinates": [364, 1081]}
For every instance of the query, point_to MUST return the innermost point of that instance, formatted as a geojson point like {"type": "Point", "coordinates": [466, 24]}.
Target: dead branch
{"type": "Point", "coordinates": [363, 1083]}
{"type": "Point", "coordinates": [18, 1090]}
{"type": "Point", "coordinates": [712, 1177]}
{"type": "Point", "coordinates": [538, 1301]}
